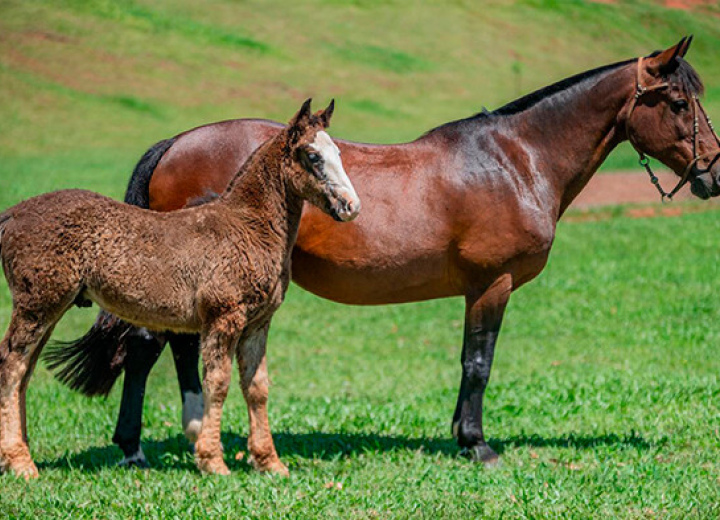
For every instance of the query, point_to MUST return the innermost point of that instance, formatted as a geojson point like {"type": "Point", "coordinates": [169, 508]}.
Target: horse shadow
{"type": "Point", "coordinates": [174, 453]}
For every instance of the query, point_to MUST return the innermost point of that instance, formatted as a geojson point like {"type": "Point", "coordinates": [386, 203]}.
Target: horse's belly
{"type": "Point", "coordinates": [381, 282]}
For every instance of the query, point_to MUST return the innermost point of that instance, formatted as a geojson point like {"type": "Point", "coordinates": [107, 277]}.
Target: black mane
{"type": "Point", "coordinates": [530, 100]}
{"type": "Point", "coordinates": [687, 78]}
{"type": "Point", "coordinates": [684, 75]}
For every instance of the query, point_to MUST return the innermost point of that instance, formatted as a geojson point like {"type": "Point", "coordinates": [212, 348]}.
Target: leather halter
{"type": "Point", "coordinates": [640, 91]}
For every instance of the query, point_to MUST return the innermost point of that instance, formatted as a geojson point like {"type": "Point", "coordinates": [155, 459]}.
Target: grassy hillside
{"type": "Point", "coordinates": [87, 85]}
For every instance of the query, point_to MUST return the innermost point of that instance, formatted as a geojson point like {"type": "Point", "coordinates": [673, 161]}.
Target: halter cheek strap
{"type": "Point", "coordinates": [640, 91]}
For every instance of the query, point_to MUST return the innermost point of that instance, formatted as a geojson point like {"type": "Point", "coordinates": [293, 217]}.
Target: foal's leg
{"type": "Point", "coordinates": [217, 350]}
{"type": "Point", "coordinates": [483, 317]}
{"type": "Point", "coordinates": [24, 384]}
{"type": "Point", "coordinates": [143, 350]}
{"type": "Point", "coordinates": [26, 335]}
{"type": "Point", "coordinates": [254, 383]}
{"type": "Point", "coordinates": [186, 351]}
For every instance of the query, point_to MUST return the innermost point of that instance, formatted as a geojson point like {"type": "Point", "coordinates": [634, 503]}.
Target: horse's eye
{"type": "Point", "coordinates": [314, 157]}
{"type": "Point", "coordinates": [680, 104]}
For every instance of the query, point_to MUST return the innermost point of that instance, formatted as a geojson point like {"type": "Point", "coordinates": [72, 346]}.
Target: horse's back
{"type": "Point", "coordinates": [204, 159]}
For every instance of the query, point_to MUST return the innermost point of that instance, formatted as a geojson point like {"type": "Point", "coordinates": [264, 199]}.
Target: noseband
{"type": "Point", "coordinates": [640, 91]}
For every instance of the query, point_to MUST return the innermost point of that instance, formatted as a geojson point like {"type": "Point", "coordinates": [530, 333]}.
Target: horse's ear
{"type": "Point", "coordinates": [686, 47]}
{"type": "Point", "coordinates": [667, 61]}
{"type": "Point", "coordinates": [326, 115]}
{"type": "Point", "coordinates": [300, 120]}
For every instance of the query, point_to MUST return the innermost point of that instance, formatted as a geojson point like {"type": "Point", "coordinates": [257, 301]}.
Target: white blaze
{"type": "Point", "coordinates": [335, 173]}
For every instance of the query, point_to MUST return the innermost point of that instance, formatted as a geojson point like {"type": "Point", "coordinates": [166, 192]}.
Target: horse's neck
{"type": "Point", "coordinates": [572, 139]}
{"type": "Point", "coordinates": [261, 195]}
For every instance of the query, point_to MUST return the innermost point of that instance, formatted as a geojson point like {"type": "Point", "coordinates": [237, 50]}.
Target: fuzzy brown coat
{"type": "Point", "coordinates": [220, 269]}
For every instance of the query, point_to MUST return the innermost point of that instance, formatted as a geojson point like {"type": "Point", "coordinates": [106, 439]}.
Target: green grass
{"type": "Point", "coordinates": [122, 75]}
{"type": "Point", "coordinates": [604, 400]}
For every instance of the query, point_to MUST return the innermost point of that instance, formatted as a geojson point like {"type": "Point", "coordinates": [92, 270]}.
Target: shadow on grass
{"type": "Point", "coordinates": [174, 453]}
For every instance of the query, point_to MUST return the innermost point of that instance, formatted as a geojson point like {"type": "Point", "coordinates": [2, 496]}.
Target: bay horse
{"type": "Point", "coordinates": [220, 269]}
{"type": "Point", "coordinates": [468, 209]}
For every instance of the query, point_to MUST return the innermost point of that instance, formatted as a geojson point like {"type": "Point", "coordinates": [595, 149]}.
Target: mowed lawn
{"type": "Point", "coordinates": [604, 402]}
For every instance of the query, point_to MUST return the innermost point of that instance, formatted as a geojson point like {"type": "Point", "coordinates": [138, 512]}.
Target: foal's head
{"type": "Point", "coordinates": [667, 121]}
{"type": "Point", "coordinates": [316, 172]}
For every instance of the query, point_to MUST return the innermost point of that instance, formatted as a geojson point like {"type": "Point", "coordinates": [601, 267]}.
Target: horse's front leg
{"type": "Point", "coordinates": [186, 351]}
{"type": "Point", "coordinates": [483, 317]}
{"type": "Point", "coordinates": [143, 350]}
{"type": "Point", "coordinates": [254, 382]}
{"type": "Point", "coordinates": [218, 343]}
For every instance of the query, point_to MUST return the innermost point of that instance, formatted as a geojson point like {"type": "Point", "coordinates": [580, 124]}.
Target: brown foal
{"type": "Point", "coordinates": [220, 270]}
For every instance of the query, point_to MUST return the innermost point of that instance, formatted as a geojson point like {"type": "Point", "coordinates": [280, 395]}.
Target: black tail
{"type": "Point", "coordinates": [93, 363]}
{"type": "Point", "coordinates": [138, 190]}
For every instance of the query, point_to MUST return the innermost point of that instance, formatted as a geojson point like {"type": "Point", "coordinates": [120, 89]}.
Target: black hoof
{"type": "Point", "coordinates": [482, 453]}
{"type": "Point", "coordinates": [137, 460]}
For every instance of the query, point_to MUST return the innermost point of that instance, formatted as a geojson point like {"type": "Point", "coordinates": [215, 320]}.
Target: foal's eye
{"type": "Point", "coordinates": [313, 157]}
{"type": "Point", "coordinates": [679, 104]}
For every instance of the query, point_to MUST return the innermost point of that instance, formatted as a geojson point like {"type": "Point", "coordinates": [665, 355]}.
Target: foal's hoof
{"type": "Point", "coordinates": [274, 467]}
{"type": "Point", "coordinates": [212, 466]}
{"type": "Point", "coordinates": [26, 471]}
{"type": "Point", "coordinates": [482, 453]}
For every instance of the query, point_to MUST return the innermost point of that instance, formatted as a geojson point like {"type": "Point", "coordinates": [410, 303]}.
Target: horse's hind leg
{"type": "Point", "coordinates": [25, 336]}
{"type": "Point", "coordinates": [254, 383]}
{"type": "Point", "coordinates": [143, 350]}
{"type": "Point", "coordinates": [186, 351]}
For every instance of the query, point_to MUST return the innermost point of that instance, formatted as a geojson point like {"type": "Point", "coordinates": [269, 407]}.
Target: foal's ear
{"type": "Point", "coordinates": [667, 61]}
{"type": "Point", "coordinates": [325, 115]}
{"type": "Point", "coordinates": [302, 118]}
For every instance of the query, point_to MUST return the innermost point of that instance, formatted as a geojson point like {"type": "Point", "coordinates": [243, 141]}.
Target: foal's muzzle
{"type": "Point", "coordinates": [344, 207]}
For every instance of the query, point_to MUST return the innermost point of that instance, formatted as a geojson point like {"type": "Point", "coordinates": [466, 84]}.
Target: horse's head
{"type": "Point", "coordinates": [316, 171]}
{"type": "Point", "coordinates": [666, 120]}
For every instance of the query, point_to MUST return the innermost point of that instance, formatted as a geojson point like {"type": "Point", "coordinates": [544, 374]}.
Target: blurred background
{"type": "Point", "coordinates": [86, 86]}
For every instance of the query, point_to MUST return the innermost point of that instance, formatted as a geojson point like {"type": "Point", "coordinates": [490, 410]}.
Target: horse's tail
{"type": "Point", "coordinates": [138, 190]}
{"type": "Point", "coordinates": [92, 363]}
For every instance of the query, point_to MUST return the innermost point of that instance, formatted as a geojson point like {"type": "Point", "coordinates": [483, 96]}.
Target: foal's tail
{"type": "Point", "coordinates": [92, 363]}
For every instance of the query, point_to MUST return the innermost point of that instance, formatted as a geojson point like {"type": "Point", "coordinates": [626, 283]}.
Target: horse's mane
{"type": "Point", "coordinates": [685, 75]}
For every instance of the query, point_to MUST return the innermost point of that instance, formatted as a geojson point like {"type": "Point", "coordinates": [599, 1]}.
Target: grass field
{"type": "Point", "coordinates": [604, 400]}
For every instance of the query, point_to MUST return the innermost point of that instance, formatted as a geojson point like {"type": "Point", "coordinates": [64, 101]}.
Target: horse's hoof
{"type": "Point", "coordinates": [212, 466]}
{"type": "Point", "coordinates": [136, 460]}
{"type": "Point", "coordinates": [274, 467]}
{"type": "Point", "coordinates": [482, 453]}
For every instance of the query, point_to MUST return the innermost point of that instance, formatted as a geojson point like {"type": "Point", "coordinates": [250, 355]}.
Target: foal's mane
{"type": "Point", "coordinates": [685, 76]}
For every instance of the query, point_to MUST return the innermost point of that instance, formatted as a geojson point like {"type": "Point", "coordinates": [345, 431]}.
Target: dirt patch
{"type": "Point", "coordinates": [687, 5]}
{"type": "Point", "coordinates": [632, 195]}
{"type": "Point", "coordinates": [613, 189]}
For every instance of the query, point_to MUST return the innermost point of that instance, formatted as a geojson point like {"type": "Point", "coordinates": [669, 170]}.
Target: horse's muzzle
{"type": "Point", "coordinates": [706, 183]}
